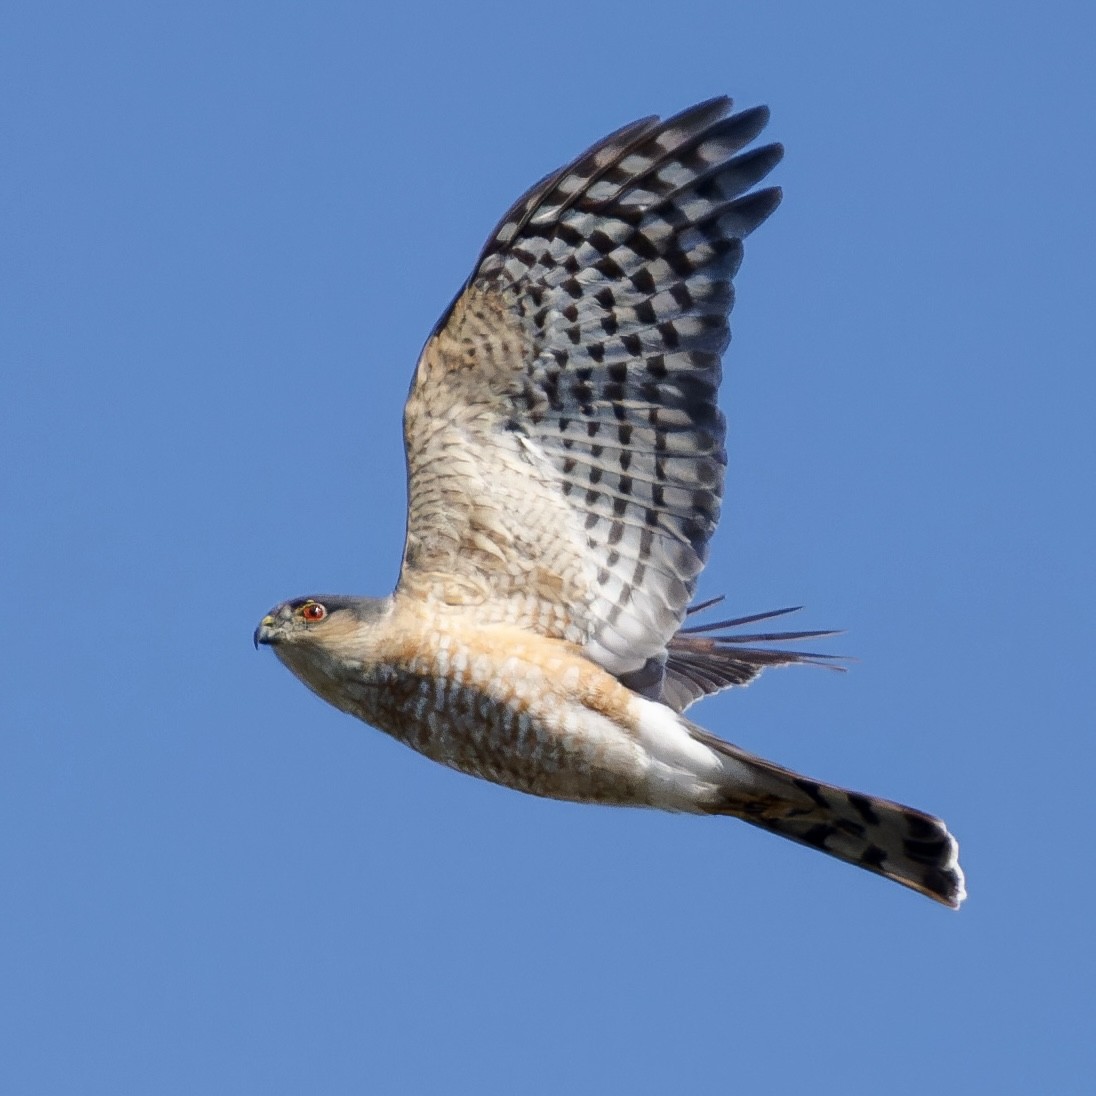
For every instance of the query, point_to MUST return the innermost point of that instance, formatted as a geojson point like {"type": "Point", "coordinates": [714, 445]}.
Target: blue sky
{"type": "Point", "coordinates": [228, 229]}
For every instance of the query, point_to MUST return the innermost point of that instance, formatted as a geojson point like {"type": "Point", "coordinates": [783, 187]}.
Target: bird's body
{"type": "Point", "coordinates": [510, 706]}
{"type": "Point", "coordinates": [565, 465]}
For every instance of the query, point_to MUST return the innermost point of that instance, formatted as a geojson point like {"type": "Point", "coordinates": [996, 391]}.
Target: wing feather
{"type": "Point", "coordinates": [564, 442]}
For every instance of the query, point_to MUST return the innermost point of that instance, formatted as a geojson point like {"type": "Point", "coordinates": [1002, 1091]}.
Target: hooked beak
{"type": "Point", "coordinates": [265, 631]}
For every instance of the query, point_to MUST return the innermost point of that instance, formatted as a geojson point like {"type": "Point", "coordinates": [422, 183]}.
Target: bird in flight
{"type": "Point", "coordinates": [565, 456]}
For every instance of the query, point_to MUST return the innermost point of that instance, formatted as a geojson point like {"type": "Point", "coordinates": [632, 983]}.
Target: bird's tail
{"type": "Point", "coordinates": [900, 843]}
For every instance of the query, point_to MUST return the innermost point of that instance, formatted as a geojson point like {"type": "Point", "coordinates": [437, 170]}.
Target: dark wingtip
{"type": "Point", "coordinates": [712, 656]}
{"type": "Point", "coordinates": [706, 658]}
{"type": "Point", "coordinates": [757, 207]}
{"type": "Point", "coordinates": [752, 618]}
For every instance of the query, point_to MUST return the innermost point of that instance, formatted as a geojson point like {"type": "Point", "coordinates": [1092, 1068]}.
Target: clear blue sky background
{"type": "Point", "coordinates": [228, 228]}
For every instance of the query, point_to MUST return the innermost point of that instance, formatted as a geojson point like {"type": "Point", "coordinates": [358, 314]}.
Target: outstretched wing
{"type": "Point", "coordinates": [564, 445]}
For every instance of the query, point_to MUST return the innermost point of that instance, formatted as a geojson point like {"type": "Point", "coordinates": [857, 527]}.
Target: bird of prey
{"type": "Point", "coordinates": [565, 461]}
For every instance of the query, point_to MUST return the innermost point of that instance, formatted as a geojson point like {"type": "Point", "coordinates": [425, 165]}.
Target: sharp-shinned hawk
{"type": "Point", "coordinates": [565, 456]}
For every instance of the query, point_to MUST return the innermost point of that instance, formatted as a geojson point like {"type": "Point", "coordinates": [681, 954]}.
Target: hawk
{"type": "Point", "coordinates": [565, 461]}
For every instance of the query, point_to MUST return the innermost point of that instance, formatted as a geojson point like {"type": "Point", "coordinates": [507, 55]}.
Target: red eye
{"type": "Point", "coordinates": [313, 611]}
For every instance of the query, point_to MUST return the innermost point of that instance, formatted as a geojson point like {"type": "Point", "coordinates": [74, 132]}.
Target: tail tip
{"type": "Point", "coordinates": [943, 878]}
{"type": "Point", "coordinates": [956, 891]}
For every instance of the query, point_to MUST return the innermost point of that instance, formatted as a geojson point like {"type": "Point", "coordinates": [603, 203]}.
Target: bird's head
{"type": "Point", "coordinates": [332, 624]}
{"type": "Point", "coordinates": [325, 639]}
{"type": "Point", "coordinates": [302, 620]}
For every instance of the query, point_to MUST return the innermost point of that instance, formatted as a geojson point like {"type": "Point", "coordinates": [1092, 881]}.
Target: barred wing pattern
{"type": "Point", "coordinates": [565, 449]}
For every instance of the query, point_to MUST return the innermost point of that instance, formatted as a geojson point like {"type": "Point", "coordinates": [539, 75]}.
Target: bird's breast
{"type": "Point", "coordinates": [517, 709]}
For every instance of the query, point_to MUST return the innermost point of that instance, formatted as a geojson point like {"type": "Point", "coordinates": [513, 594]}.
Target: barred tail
{"type": "Point", "coordinates": [897, 842]}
